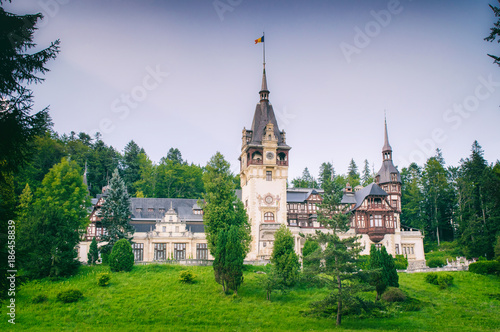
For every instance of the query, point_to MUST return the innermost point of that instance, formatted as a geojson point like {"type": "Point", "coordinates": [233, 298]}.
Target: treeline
{"type": "Point", "coordinates": [447, 203]}
{"type": "Point", "coordinates": [171, 177]}
{"type": "Point", "coordinates": [327, 172]}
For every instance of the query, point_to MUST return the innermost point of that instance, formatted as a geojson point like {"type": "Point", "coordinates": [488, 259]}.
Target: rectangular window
{"type": "Point", "coordinates": [179, 251]}
{"type": "Point", "coordinates": [378, 221]}
{"type": "Point", "coordinates": [397, 249]}
{"type": "Point", "coordinates": [201, 251]}
{"type": "Point", "coordinates": [269, 175]}
{"type": "Point", "coordinates": [138, 249]}
{"type": "Point", "coordinates": [151, 209]}
{"type": "Point", "coordinates": [395, 203]}
{"type": "Point", "coordinates": [160, 251]}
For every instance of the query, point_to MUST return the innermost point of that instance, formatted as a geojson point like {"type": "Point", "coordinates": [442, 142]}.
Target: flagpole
{"type": "Point", "coordinates": [264, 49]}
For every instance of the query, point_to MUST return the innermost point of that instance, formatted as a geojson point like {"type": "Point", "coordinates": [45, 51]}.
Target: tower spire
{"type": "Point", "coordinates": [264, 92]}
{"type": "Point", "coordinates": [387, 147]}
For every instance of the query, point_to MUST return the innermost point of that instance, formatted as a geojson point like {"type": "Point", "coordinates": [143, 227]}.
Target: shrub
{"type": "Point", "coordinates": [39, 298]}
{"type": "Point", "coordinates": [436, 262]}
{"type": "Point", "coordinates": [103, 279]}
{"type": "Point", "coordinates": [444, 280]}
{"type": "Point", "coordinates": [431, 278]}
{"type": "Point", "coordinates": [394, 294]}
{"type": "Point", "coordinates": [70, 295]}
{"type": "Point", "coordinates": [485, 267]}
{"type": "Point", "coordinates": [401, 262]}
{"type": "Point", "coordinates": [186, 276]}
{"type": "Point", "coordinates": [121, 257]}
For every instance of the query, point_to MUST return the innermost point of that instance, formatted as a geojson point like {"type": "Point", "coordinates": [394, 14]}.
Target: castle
{"type": "Point", "coordinates": [168, 228]}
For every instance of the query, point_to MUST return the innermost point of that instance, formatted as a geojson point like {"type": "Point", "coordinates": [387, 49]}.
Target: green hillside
{"type": "Point", "coordinates": [151, 298]}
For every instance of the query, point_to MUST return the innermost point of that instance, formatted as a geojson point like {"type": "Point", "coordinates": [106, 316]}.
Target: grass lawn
{"type": "Point", "coordinates": [151, 298]}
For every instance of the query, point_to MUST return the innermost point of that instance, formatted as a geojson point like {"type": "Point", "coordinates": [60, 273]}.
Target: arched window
{"type": "Point", "coordinates": [268, 216]}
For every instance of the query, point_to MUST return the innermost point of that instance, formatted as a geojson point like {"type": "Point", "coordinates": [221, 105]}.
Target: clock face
{"type": "Point", "coordinates": [269, 155]}
{"type": "Point", "coordinates": [269, 199]}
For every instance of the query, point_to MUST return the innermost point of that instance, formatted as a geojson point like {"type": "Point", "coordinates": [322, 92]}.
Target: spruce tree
{"type": "Point", "coordinates": [115, 213]}
{"type": "Point", "coordinates": [18, 125]}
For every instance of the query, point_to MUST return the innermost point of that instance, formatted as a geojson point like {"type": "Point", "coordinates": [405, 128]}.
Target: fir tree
{"type": "Point", "coordinates": [115, 213]}
{"type": "Point", "coordinates": [495, 32]}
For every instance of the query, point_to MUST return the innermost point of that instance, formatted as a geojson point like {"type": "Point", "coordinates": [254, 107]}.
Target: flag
{"type": "Point", "coordinates": [260, 40]}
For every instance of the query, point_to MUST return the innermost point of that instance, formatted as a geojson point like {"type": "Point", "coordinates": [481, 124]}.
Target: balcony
{"type": "Point", "coordinates": [270, 226]}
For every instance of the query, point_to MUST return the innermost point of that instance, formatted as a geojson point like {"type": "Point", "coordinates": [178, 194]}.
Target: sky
{"type": "Point", "coordinates": [186, 74]}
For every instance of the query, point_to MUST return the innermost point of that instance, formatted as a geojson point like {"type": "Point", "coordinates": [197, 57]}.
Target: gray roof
{"type": "Point", "coordinates": [387, 146]}
{"type": "Point", "coordinates": [386, 170]}
{"type": "Point", "coordinates": [182, 206]}
{"type": "Point", "coordinates": [299, 195]}
{"type": "Point", "coordinates": [348, 198]}
{"type": "Point", "coordinates": [264, 114]}
{"type": "Point", "coordinates": [359, 196]}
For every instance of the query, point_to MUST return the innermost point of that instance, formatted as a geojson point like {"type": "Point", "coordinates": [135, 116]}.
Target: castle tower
{"type": "Point", "coordinates": [264, 174]}
{"type": "Point", "coordinates": [388, 177]}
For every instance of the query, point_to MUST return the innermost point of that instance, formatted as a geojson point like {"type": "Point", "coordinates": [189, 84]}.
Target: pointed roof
{"type": "Point", "coordinates": [387, 166]}
{"type": "Point", "coordinates": [264, 81]}
{"type": "Point", "coordinates": [263, 115]}
{"type": "Point", "coordinates": [387, 146]}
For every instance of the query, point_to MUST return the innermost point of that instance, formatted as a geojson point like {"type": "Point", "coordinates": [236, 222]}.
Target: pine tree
{"type": "Point", "coordinates": [115, 214]}
{"type": "Point", "coordinates": [339, 254]}
{"type": "Point", "coordinates": [310, 247]}
{"type": "Point", "coordinates": [326, 174]}
{"type": "Point", "coordinates": [283, 258]}
{"type": "Point", "coordinates": [93, 254]}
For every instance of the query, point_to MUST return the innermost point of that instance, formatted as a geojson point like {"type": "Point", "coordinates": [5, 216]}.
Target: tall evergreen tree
{"type": "Point", "coordinates": [226, 223]}
{"type": "Point", "coordinates": [412, 197]}
{"type": "Point", "coordinates": [18, 126]}
{"type": "Point", "coordinates": [175, 155]}
{"type": "Point", "coordinates": [352, 174]}
{"type": "Point", "coordinates": [131, 164]}
{"type": "Point", "coordinates": [306, 181]}
{"type": "Point", "coordinates": [115, 214]}
{"type": "Point", "coordinates": [367, 174]}
{"type": "Point", "coordinates": [222, 208]}
{"type": "Point", "coordinates": [438, 199]}
{"type": "Point", "coordinates": [326, 174]}
{"type": "Point", "coordinates": [284, 260]}
{"type": "Point", "coordinates": [340, 256]}
{"type": "Point", "coordinates": [51, 227]}
{"type": "Point", "coordinates": [479, 205]}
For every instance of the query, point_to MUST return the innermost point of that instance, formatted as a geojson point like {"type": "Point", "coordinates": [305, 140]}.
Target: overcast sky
{"type": "Point", "coordinates": [187, 74]}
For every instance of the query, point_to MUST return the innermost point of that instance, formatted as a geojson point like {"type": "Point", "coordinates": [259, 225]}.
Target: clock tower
{"type": "Point", "coordinates": [264, 174]}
